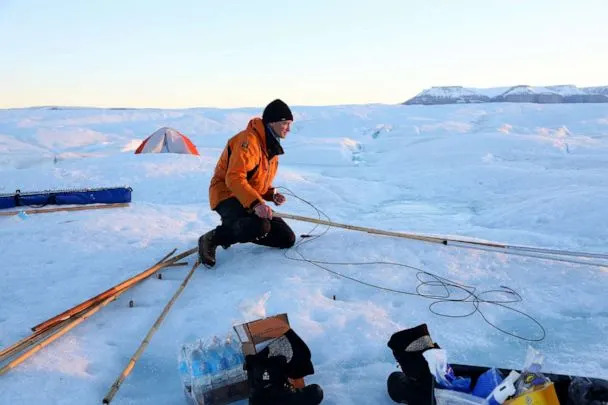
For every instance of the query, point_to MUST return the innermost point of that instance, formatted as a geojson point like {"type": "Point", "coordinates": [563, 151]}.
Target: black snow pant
{"type": "Point", "coordinates": [240, 226]}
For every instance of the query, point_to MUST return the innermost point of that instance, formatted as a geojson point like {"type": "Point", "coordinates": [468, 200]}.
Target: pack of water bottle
{"type": "Point", "coordinates": [209, 368]}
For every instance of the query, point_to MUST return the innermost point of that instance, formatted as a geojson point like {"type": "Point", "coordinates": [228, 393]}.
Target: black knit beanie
{"type": "Point", "coordinates": [276, 111]}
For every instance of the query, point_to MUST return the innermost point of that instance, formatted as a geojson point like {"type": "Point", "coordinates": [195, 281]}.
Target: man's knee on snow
{"type": "Point", "coordinates": [263, 228]}
{"type": "Point", "coordinates": [289, 241]}
{"type": "Point", "coordinates": [253, 229]}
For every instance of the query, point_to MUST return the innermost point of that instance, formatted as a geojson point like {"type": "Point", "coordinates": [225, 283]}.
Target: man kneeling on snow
{"type": "Point", "coordinates": [242, 183]}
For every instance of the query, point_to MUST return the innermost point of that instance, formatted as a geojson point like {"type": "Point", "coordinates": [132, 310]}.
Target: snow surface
{"type": "Point", "coordinates": [523, 174]}
{"type": "Point", "coordinates": [533, 90]}
{"type": "Point", "coordinates": [596, 90]}
{"type": "Point", "coordinates": [459, 91]}
{"type": "Point", "coordinates": [456, 92]}
{"type": "Point", "coordinates": [567, 90]}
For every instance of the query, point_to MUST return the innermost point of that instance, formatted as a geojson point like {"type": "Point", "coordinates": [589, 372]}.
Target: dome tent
{"type": "Point", "coordinates": [167, 140]}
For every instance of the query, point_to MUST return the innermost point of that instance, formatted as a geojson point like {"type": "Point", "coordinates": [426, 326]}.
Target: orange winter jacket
{"type": "Point", "coordinates": [246, 167]}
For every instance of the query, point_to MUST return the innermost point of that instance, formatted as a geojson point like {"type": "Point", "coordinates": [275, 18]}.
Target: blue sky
{"type": "Point", "coordinates": [184, 53]}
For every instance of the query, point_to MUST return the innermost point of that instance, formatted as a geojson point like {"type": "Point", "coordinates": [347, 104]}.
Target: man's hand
{"type": "Point", "coordinates": [278, 198]}
{"type": "Point", "coordinates": [263, 211]}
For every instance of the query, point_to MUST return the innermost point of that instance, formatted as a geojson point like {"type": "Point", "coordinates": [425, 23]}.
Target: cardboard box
{"type": "Point", "coordinates": [255, 334]}
{"type": "Point", "coordinates": [540, 395]}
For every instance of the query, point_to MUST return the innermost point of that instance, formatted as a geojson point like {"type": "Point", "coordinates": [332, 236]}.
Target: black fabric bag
{"type": "Point", "coordinates": [414, 385]}
{"type": "Point", "coordinates": [268, 373]}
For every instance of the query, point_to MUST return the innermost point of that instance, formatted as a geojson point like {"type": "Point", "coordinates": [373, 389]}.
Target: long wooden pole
{"type": "Point", "coordinates": [27, 341]}
{"type": "Point", "coordinates": [58, 332]}
{"type": "Point", "coordinates": [76, 208]}
{"type": "Point", "coordinates": [445, 240]}
{"type": "Point", "coordinates": [127, 370]}
{"type": "Point", "coordinates": [40, 334]}
{"type": "Point", "coordinates": [165, 257]}
{"type": "Point", "coordinates": [432, 239]}
{"type": "Point", "coordinates": [100, 297]}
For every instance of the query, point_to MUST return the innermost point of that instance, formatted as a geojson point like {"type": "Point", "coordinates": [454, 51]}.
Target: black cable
{"type": "Point", "coordinates": [426, 279]}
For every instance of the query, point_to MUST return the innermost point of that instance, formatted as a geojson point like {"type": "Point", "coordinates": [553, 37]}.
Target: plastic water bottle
{"type": "Point", "coordinates": [184, 370]}
{"type": "Point", "coordinates": [201, 378]}
{"type": "Point", "coordinates": [213, 359]}
{"type": "Point", "coordinates": [224, 358]}
{"type": "Point", "coordinates": [239, 351]}
{"type": "Point", "coordinates": [198, 368]}
{"type": "Point", "coordinates": [230, 358]}
{"type": "Point", "coordinates": [236, 354]}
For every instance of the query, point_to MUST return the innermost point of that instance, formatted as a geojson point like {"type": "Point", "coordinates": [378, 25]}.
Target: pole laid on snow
{"type": "Point", "coordinates": [119, 287]}
{"type": "Point", "coordinates": [58, 332]}
{"type": "Point", "coordinates": [28, 341]}
{"type": "Point", "coordinates": [454, 241]}
{"type": "Point", "coordinates": [77, 208]}
{"type": "Point", "coordinates": [165, 257]}
{"type": "Point", "coordinates": [424, 238]}
{"type": "Point", "coordinates": [127, 370]}
{"type": "Point", "coordinates": [42, 334]}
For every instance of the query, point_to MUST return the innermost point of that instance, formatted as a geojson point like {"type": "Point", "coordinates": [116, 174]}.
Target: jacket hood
{"type": "Point", "coordinates": [256, 125]}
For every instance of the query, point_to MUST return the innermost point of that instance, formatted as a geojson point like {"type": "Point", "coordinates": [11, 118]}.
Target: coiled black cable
{"type": "Point", "coordinates": [427, 280]}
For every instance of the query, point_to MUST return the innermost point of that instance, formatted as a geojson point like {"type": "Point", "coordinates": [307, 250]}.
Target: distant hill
{"type": "Point", "coordinates": [517, 94]}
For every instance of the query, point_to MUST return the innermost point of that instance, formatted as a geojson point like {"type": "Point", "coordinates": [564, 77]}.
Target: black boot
{"type": "Point", "coordinates": [269, 385]}
{"type": "Point", "coordinates": [206, 249]}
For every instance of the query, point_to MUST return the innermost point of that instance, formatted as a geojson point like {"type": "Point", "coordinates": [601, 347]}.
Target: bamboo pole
{"type": "Point", "coordinates": [27, 341]}
{"type": "Point", "coordinates": [432, 239]}
{"type": "Point", "coordinates": [177, 264]}
{"type": "Point", "coordinates": [127, 370]}
{"type": "Point", "coordinates": [565, 258]}
{"type": "Point", "coordinates": [77, 208]}
{"type": "Point", "coordinates": [165, 257]}
{"type": "Point", "coordinates": [57, 333]}
{"type": "Point", "coordinates": [445, 240]}
{"type": "Point", "coordinates": [100, 297]}
{"type": "Point", "coordinates": [557, 252]}
{"type": "Point", "coordinates": [41, 333]}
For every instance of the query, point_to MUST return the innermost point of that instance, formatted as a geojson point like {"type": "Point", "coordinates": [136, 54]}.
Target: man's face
{"type": "Point", "coordinates": [281, 128]}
